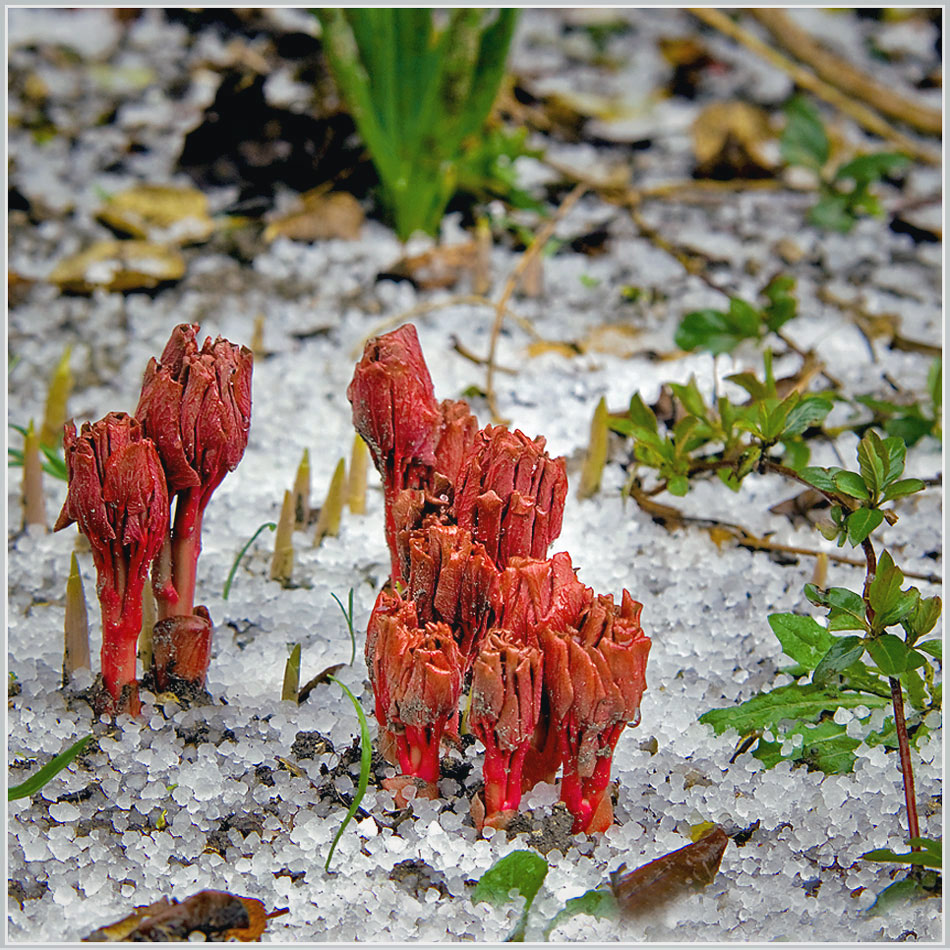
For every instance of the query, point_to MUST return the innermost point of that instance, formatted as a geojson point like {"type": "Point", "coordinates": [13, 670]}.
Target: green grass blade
{"type": "Point", "coordinates": [36, 781]}
{"type": "Point", "coordinates": [348, 616]}
{"type": "Point", "coordinates": [241, 553]}
{"type": "Point", "coordinates": [366, 758]}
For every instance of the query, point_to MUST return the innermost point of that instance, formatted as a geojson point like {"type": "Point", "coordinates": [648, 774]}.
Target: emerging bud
{"type": "Point", "coordinates": [594, 679]}
{"type": "Point", "coordinates": [417, 680]}
{"type": "Point", "coordinates": [505, 707]}
{"type": "Point", "coordinates": [511, 494]}
{"type": "Point", "coordinates": [395, 412]}
{"type": "Point", "coordinates": [117, 495]}
{"type": "Point", "coordinates": [536, 593]}
{"type": "Point", "coordinates": [452, 579]}
{"type": "Point", "coordinates": [196, 407]}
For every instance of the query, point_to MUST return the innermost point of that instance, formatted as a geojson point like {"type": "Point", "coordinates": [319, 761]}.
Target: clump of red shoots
{"type": "Point", "coordinates": [118, 497]}
{"type": "Point", "coordinates": [189, 431]}
{"type": "Point", "coordinates": [556, 671]}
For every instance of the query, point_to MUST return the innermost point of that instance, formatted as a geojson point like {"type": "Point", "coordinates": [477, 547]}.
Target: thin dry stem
{"type": "Point", "coordinates": [805, 78]}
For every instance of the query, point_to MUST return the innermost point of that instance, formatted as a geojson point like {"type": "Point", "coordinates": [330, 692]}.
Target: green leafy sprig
{"type": "Point", "coordinates": [845, 193]}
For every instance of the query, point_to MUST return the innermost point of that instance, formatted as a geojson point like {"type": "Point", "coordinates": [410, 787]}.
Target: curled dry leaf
{"type": "Point", "coordinates": [118, 266]}
{"type": "Point", "coordinates": [691, 867]}
{"type": "Point", "coordinates": [319, 217]}
{"type": "Point", "coordinates": [218, 915]}
{"type": "Point", "coordinates": [161, 213]}
{"type": "Point", "coordinates": [730, 140]}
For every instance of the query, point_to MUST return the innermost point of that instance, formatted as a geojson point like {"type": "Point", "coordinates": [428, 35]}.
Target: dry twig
{"type": "Point", "coordinates": [805, 78]}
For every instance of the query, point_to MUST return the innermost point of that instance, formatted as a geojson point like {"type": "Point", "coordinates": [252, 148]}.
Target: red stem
{"type": "Point", "coordinates": [907, 768]}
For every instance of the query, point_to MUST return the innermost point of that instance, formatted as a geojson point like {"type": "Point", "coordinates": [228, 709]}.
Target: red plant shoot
{"type": "Point", "coordinates": [196, 406]}
{"type": "Point", "coordinates": [118, 497]}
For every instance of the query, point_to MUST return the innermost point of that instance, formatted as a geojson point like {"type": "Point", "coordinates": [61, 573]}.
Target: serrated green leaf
{"type": "Point", "coordinates": [802, 638]}
{"type": "Point", "coordinates": [844, 603]}
{"type": "Point", "coordinates": [594, 903]}
{"type": "Point", "coordinates": [767, 710]}
{"type": "Point", "coordinates": [840, 655]}
{"type": "Point", "coordinates": [810, 411]}
{"type": "Point", "coordinates": [889, 653]}
{"type": "Point", "coordinates": [885, 587]}
{"type": "Point", "coordinates": [852, 484]}
{"type": "Point", "coordinates": [827, 747]}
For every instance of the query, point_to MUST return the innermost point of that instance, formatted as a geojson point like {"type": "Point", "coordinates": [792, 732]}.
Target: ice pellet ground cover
{"type": "Point", "coordinates": [245, 794]}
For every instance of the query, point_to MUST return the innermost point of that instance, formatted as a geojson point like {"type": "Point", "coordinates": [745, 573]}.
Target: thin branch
{"type": "Point", "coordinates": [845, 76]}
{"type": "Point", "coordinates": [805, 78]}
{"type": "Point", "coordinates": [531, 252]}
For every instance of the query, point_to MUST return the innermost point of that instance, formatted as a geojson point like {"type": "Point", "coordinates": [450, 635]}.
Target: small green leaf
{"type": "Point", "coordinates": [842, 653]}
{"type": "Point", "coordinates": [594, 903]}
{"type": "Point", "coordinates": [810, 411]}
{"type": "Point", "coordinates": [750, 383]}
{"type": "Point", "coordinates": [935, 384]}
{"type": "Point", "coordinates": [802, 638]}
{"type": "Point", "coordinates": [905, 486]}
{"type": "Point", "coordinates": [36, 781]}
{"type": "Point", "coordinates": [867, 169]}
{"type": "Point", "coordinates": [906, 889]}
{"type": "Point", "coordinates": [822, 478]}
{"type": "Point", "coordinates": [862, 522]}
{"type": "Point", "coordinates": [523, 871]}
{"type": "Point", "coordinates": [710, 330]}
{"type": "Point", "coordinates": [690, 396]}
{"type": "Point", "coordinates": [641, 414]}
{"type": "Point", "coordinates": [804, 141]}
{"type": "Point", "coordinates": [896, 452]}
{"type": "Point", "coordinates": [796, 455]}
{"type": "Point", "coordinates": [850, 483]}
{"type": "Point", "coordinates": [678, 485]}
{"type": "Point", "coordinates": [933, 647]}
{"type": "Point", "coordinates": [923, 618]}
{"type": "Point", "coordinates": [884, 591]}
{"type": "Point", "coordinates": [847, 607]}
{"type": "Point", "coordinates": [744, 318]}
{"type": "Point", "coordinates": [889, 654]}
{"type": "Point", "coordinates": [873, 462]}
{"type": "Point", "coordinates": [833, 213]}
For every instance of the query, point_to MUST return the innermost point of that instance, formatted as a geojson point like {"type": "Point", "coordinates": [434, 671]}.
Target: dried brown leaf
{"type": "Point", "coordinates": [162, 213]}
{"type": "Point", "coordinates": [118, 266]}
{"type": "Point", "coordinates": [691, 867]}
{"type": "Point", "coordinates": [319, 217]}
